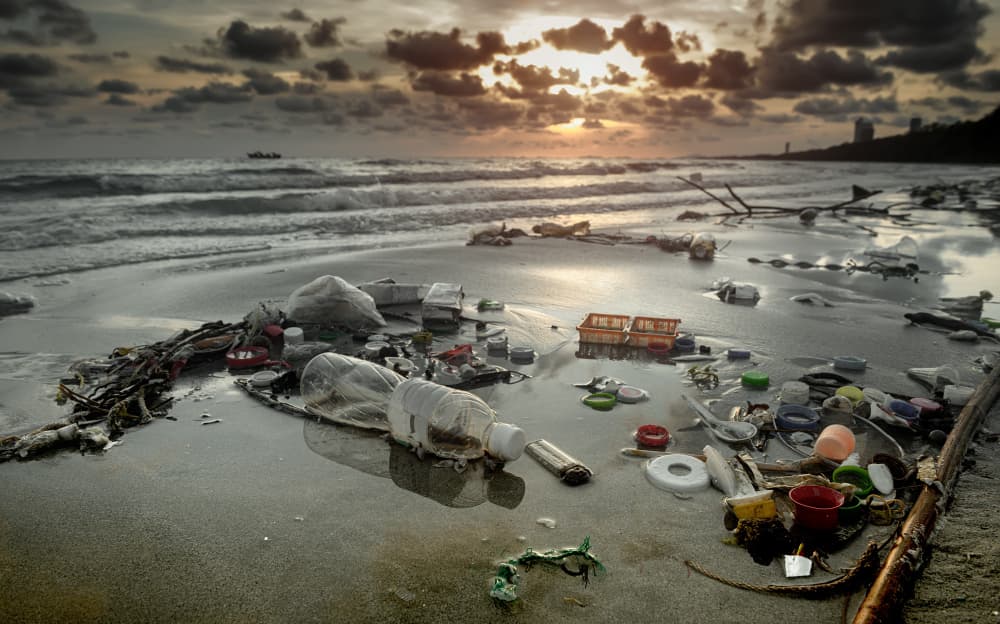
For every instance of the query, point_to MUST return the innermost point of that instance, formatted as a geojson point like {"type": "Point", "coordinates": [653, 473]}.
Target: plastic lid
{"type": "Point", "coordinates": [795, 393]}
{"type": "Point", "coordinates": [881, 477]}
{"type": "Point", "coordinates": [790, 417]}
{"type": "Point", "coordinates": [506, 442]}
{"type": "Point", "coordinates": [524, 355]}
{"type": "Point", "coordinates": [927, 406]}
{"type": "Point", "coordinates": [653, 436]}
{"type": "Point", "coordinates": [293, 335]}
{"type": "Point", "coordinates": [374, 346]}
{"type": "Point", "coordinates": [630, 394]}
{"type": "Point", "coordinates": [738, 354]}
{"type": "Point", "coordinates": [755, 379]}
{"type": "Point", "coordinates": [853, 393]}
{"type": "Point", "coordinates": [263, 378]}
{"type": "Point", "coordinates": [677, 473]}
{"type": "Point", "coordinates": [403, 364]}
{"type": "Point", "coordinates": [850, 362]}
{"type": "Point", "coordinates": [603, 401]}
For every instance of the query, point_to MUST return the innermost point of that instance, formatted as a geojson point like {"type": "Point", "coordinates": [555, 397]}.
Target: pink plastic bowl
{"type": "Point", "coordinates": [816, 506]}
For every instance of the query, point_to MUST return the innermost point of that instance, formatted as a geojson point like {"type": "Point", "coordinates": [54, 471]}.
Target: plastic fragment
{"type": "Point", "coordinates": [506, 580]}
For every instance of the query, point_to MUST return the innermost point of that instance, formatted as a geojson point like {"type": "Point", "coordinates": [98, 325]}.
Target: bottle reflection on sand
{"type": "Point", "coordinates": [369, 452]}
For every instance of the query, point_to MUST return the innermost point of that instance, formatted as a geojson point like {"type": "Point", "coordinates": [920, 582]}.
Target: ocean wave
{"type": "Point", "coordinates": [69, 185]}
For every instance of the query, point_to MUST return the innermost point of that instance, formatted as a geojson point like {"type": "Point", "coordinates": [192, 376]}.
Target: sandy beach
{"type": "Point", "coordinates": [266, 517]}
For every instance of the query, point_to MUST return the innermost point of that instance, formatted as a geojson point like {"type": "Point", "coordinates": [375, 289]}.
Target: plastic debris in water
{"type": "Point", "coordinates": [505, 582]}
{"type": "Point", "coordinates": [548, 523]}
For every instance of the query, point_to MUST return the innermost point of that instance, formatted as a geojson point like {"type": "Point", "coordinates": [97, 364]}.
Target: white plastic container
{"type": "Point", "coordinates": [795, 393]}
{"type": "Point", "coordinates": [293, 335]}
{"type": "Point", "coordinates": [347, 390]}
{"type": "Point", "coordinates": [450, 423]}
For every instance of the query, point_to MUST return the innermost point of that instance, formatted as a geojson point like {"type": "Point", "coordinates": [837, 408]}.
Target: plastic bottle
{"type": "Point", "coordinates": [347, 390]}
{"type": "Point", "coordinates": [450, 423]}
{"type": "Point", "coordinates": [835, 442]}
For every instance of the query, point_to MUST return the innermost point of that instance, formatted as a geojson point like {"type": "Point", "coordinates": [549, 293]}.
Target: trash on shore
{"type": "Point", "coordinates": [330, 298]}
{"type": "Point", "coordinates": [505, 582]}
{"type": "Point", "coordinates": [15, 304]}
{"type": "Point", "coordinates": [569, 470]}
{"type": "Point", "coordinates": [735, 292]}
{"type": "Point", "coordinates": [554, 230]}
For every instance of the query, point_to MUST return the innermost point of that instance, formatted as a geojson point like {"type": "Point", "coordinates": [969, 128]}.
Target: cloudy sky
{"type": "Point", "coordinates": [661, 78]}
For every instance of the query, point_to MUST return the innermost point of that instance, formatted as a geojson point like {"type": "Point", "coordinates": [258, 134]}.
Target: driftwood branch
{"type": "Point", "coordinates": [751, 211]}
{"type": "Point", "coordinates": [707, 192]}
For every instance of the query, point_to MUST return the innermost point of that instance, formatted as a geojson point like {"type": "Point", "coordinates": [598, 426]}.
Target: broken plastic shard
{"type": "Point", "coordinates": [548, 523]}
{"type": "Point", "coordinates": [935, 378]}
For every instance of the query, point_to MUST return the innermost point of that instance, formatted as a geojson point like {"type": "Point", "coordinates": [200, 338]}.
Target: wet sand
{"type": "Point", "coordinates": [266, 517]}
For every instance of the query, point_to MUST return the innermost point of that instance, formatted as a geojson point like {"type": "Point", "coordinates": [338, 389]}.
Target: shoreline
{"type": "Point", "coordinates": [169, 526]}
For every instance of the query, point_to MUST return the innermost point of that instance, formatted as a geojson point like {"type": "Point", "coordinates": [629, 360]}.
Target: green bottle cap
{"type": "Point", "coordinates": [755, 379]}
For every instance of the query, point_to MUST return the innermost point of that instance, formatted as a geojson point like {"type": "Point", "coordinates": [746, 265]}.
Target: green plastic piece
{"type": "Point", "coordinates": [489, 304]}
{"type": "Point", "coordinates": [602, 401]}
{"type": "Point", "coordinates": [506, 579]}
{"type": "Point", "coordinates": [755, 379]}
{"type": "Point", "coordinates": [991, 322]}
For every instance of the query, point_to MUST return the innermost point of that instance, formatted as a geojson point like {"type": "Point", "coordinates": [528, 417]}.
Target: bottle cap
{"type": "Point", "coordinates": [293, 335]}
{"type": "Point", "coordinates": [506, 442]}
{"type": "Point", "coordinates": [755, 379]}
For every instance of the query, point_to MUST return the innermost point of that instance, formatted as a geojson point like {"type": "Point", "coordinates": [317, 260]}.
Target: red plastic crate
{"type": "Point", "coordinates": [603, 328]}
{"type": "Point", "coordinates": [647, 330]}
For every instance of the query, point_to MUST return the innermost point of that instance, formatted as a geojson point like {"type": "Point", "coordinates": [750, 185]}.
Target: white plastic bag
{"type": "Point", "coordinates": [329, 300]}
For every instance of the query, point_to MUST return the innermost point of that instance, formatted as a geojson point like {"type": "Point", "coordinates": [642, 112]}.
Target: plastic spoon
{"type": "Point", "coordinates": [727, 431]}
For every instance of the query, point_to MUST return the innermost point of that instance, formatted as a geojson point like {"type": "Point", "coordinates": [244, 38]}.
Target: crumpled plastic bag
{"type": "Point", "coordinates": [329, 300]}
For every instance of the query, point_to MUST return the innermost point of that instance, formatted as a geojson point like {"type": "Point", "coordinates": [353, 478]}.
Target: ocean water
{"type": "Point", "coordinates": [62, 216]}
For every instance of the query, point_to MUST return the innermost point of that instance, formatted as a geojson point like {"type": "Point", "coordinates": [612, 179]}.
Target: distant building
{"type": "Point", "coordinates": [864, 130]}
{"type": "Point", "coordinates": [915, 123]}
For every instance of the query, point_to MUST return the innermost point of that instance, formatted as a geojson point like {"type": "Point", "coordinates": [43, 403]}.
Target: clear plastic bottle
{"type": "Point", "coordinates": [450, 423]}
{"type": "Point", "coordinates": [347, 390]}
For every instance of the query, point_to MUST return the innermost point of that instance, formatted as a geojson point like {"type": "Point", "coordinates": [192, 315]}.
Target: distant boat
{"type": "Point", "coordinates": [263, 155]}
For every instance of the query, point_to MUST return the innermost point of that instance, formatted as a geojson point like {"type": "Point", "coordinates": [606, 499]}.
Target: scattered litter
{"type": "Point", "coordinates": [558, 462]}
{"type": "Point", "coordinates": [330, 297]}
{"type": "Point", "coordinates": [735, 292]}
{"type": "Point", "coordinates": [676, 472]}
{"type": "Point", "coordinates": [211, 422]}
{"type": "Point", "coordinates": [548, 523]}
{"type": "Point", "coordinates": [813, 299]}
{"type": "Point", "coordinates": [506, 580]}
{"type": "Point", "coordinates": [965, 335]}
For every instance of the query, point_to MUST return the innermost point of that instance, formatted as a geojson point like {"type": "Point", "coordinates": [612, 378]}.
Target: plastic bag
{"type": "Point", "coordinates": [329, 300]}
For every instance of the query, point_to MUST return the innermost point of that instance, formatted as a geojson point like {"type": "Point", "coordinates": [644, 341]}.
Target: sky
{"type": "Point", "coordinates": [474, 78]}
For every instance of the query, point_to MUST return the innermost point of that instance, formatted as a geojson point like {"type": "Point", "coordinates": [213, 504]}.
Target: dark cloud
{"type": "Point", "coordinates": [300, 104]}
{"type": "Point", "coordinates": [641, 40]}
{"type": "Point", "coordinates": [484, 114]}
{"type": "Point", "coordinates": [728, 70]}
{"type": "Point", "coordinates": [687, 42]}
{"type": "Point", "coordinates": [47, 95]}
{"type": "Point", "coordinates": [629, 108]}
{"type": "Point", "coordinates": [740, 105]}
{"type": "Point", "coordinates": [296, 15]}
{"type": "Point", "coordinates": [312, 74]}
{"type": "Point", "coordinates": [584, 36]}
{"type": "Point", "coordinates": [188, 99]}
{"type": "Point", "coordinates": [691, 106]}
{"type": "Point", "coordinates": [729, 122]}
{"type": "Point", "coordinates": [931, 35]}
{"type": "Point", "coordinates": [323, 34]}
{"type": "Point", "coordinates": [335, 69]}
{"type": "Point", "coordinates": [265, 83]}
{"type": "Point", "coordinates": [443, 52]}
{"type": "Point", "coordinates": [784, 73]}
{"type": "Point", "coordinates": [331, 118]}
{"type": "Point", "coordinates": [388, 98]}
{"type": "Point", "coordinates": [14, 67]}
{"type": "Point", "coordinates": [865, 23]}
{"type": "Point", "coordinates": [592, 124]}
{"type": "Point", "coordinates": [364, 109]}
{"type": "Point", "coordinates": [655, 101]}
{"type": "Point", "coordinates": [121, 54]}
{"type": "Point", "coordinates": [181, 66]}
{"type": "Point", "coordinates": [988, 80]}
{"type": "Point", "coordinates": [370, 75]}
{"type": "Point", "coordinates": [115, 85]}
{"type": "Point", "coordinates": [444, 83]}
{"type": "Point", "coordinates": [532, 78]}
{"type": "Point", "coordinates": [306, 88]}
{"type": "Point", "coordinates": [838, 109]}
{"type": "Point", "coordinates": [779, 118]}
{"type": "Point", "coordinates": [967, 105]}
{"type": "Point", "coordinates": [936, 58]}
{"type": "Point", "coordinates": [118, 100]}
{"type": "Point", "coordinates": [670, 72]}
{"type": "Point", "coordinates": [92, 59]}
{"type": "Point", "coordinates": [265, 45]}
{"type": "Point", "coordinates": [175, 104]}
{"type": "Point", "coordinates": [760, 22]}
{"type": "Point", "coordinates": [53, 21]}
{"type": "Point", "coordinates": [616, 76]}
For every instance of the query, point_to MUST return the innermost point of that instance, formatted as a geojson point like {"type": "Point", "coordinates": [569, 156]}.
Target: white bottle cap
{"type": "Point", "coordinates": [505, 442]}
{"type": "Point", "coordinates": [293, 335]}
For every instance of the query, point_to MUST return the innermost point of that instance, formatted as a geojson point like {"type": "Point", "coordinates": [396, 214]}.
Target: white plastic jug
{"type": "Point", "coordinates": [450, 423]}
